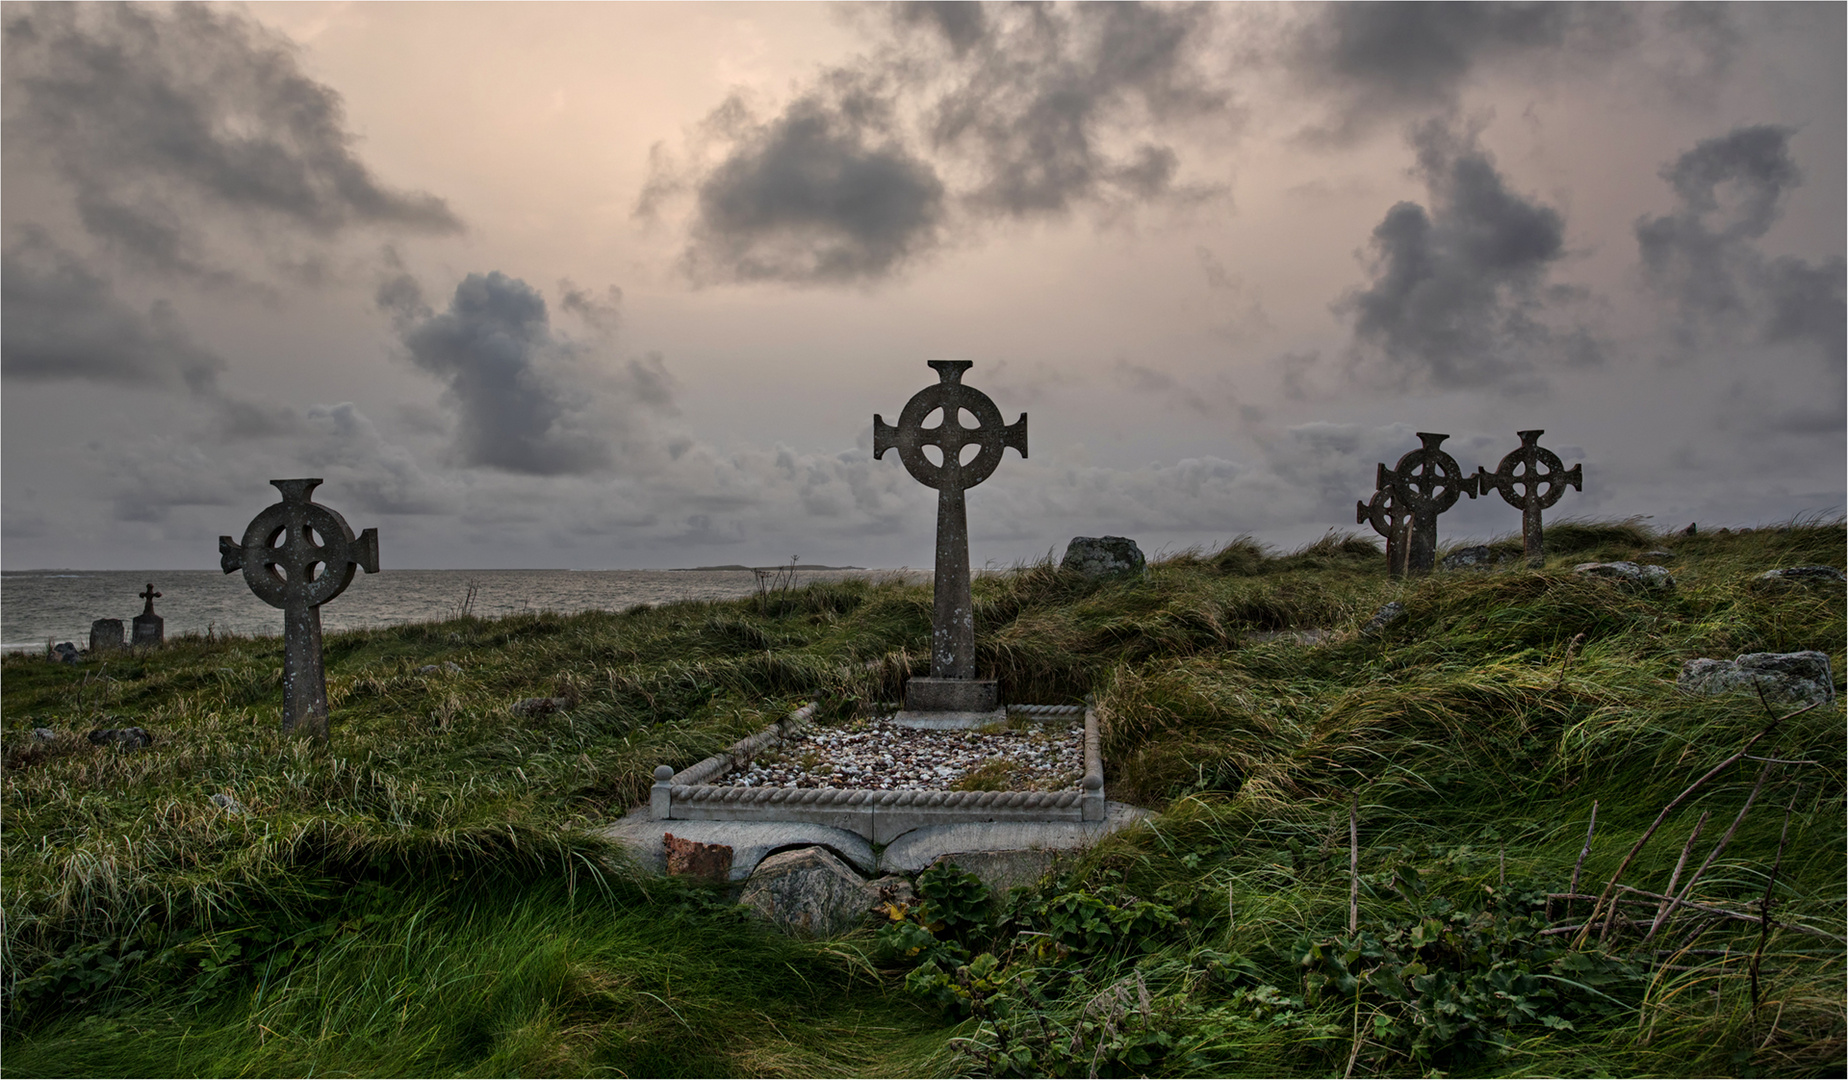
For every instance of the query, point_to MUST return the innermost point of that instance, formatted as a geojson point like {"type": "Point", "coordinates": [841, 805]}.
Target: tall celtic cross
{"type": "Point", "coordinates": [1426, 482]}
{"type": "Point", "coordinates": [150, 596]}
{"type": "Point", "coordinates": [1537, 490]}
{"type": "Point", "coordinates": [952, 652]}
{"type": "Point", "coordinates": [1389, 518]}
{"type": "Point", "coordinates": [297, 555]}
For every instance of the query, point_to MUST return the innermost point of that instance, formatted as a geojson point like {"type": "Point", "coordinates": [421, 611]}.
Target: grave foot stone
{"type": "Point", "coordinates": [1797, 676]}
{"type": "Point", "coordinates": [1805, 575]}
{"type": "Point", "coordinates": [807, 892]}
{"type": "Point", "coordinates": [1469, 558]}
{"type": "Point", "coordinates": [690, 858]}
{"type": "Point", "coordinates": [1389, 614]}
{"type": "Point", "coordinates": [1103, 556]}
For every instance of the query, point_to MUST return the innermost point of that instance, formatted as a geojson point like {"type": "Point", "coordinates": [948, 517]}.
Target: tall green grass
{"type": "Point", "coordinates": [479, 926]}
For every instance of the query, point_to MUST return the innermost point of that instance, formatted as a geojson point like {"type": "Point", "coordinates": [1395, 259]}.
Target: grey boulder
{"type": "Point", "coordinates": [66, 652]}
{"type": "Point", "coordinates": [808, 892]}
{"type": "Point", "coordinates": [132, 738]}
{"type": "Point", "coordinates": [1628, 573]}
{"type": "Point", "coordinates": [1103, 556]}
{"type": "Point", "coordinates": [1469, 558]}
{"type": "Point", "coordinates": [1805, 575]}
{"type": "Point", "coordinates": [1388, 614]}
{"type": "Point", "coordinates": [1795, 676]}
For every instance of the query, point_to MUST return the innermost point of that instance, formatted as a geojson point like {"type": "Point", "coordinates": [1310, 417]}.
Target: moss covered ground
{"type": "Point", "coordinates": [423, 894]}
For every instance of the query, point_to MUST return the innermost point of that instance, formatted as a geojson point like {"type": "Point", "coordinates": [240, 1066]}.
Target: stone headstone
{"type": "Point", "coordinates": [150, 629]}
{"type": "Point", "coordinates": [951, 685]}
{"type": "Point", "coordinates": [1629, 573]}
{"type": "Point", "coordinates": [1103, 556]}
{"type": "Point", "coordinates": [809, 892]}
{"type": "Point", "coordinates": [1530, 490]}
{"type": "Point", "coordinates": [297, 555]}
{"type": "Point", "coordinates": [1795, 676]}
{"type": "Point", "coordinates": [1425, 483]}
{"type": "Point", "coordinates": [106, 635]}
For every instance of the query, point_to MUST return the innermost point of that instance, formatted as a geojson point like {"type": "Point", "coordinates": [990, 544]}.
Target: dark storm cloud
{"type": "Point", "coordinates": [963, 113]}
{"type": "Point", "coordinates": [59, 321]}
{"type": "Point", "coordinates": [154, 117]}
{"type": "Point", "coordinates": [1459, 291]}
{"type": "Point", "coordinates": [489, 348]}
{"type": "Point", "coordinates": [1381, 62]}
{"type": "Point", "coordinates": [824, 193]}
{"type": "Point", "coordinates": [1704, 256]}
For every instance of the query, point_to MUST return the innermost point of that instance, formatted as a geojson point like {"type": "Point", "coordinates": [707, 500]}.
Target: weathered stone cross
{"type": "Point", "coordinates": [1426, 482]}
{"type": "Point", "coordinates": [297, 555]}
{"type": "Point", "coordinates": [1530, 500]}
{"type": "Point", "coordinates": [1388, 517]}
{"type": "Point", "coordinates": [150, 596]}
{"type": "Point", "coordinates": [952, 653]}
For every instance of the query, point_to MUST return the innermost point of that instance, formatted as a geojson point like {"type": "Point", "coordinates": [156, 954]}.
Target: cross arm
{"type": "Point", "coordinates": [1015, 435]}
{"type": "Point", "coordinates": [1574, 476]}
{"type": "Point", "coordinates": [885, 436]}
{"type": "Point", "coordinates": [366, 551]}
{"type": "Point", "coordinates": [231, 554]}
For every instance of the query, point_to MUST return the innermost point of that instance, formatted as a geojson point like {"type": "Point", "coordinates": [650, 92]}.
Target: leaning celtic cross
{"type": "Point", "coordinates": [1427, 482]}
{"type": "Point", "coordinates": [297, 555]}
{"type": "Point", "coordinates": [1389, 518]}
{"type": "Point", "coordinates": [952, 653]}
{"type": "Point", "coordinates": [1531, 499]}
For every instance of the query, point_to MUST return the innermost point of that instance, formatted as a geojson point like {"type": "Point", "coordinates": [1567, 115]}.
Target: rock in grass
{"type": "Point", "coordinates": [1469, 558]}
{"type": "Point", "coordinates": [449, 667]}
{"type": "Point", "coordinates": [66, 652]}
{"type": "Point", "coordinates": [807, 892]}
{"type": "Point", "coordinates": [228, 804]}
{"type": "Point", "coordinates": [132, 738]}
{"type": "Point", "coordinates": [1629, 573]}
{"type": "Point", "coordinates": [1795, 676]}
{"type": "Point", "coordinates": [1389, 614]}
{"type": "Point", "coordinates": [1805, 575]}
{"type": "Point", "coordinates": [44, 734]}
{"type": "Point", "coordinates": [539, 706]}
{"type": "Point", "coordinates": [1103, 556]}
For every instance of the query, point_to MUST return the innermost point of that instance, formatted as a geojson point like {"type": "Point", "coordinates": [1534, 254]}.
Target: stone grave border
{"type": "Point", "coordinates": [879, 816]}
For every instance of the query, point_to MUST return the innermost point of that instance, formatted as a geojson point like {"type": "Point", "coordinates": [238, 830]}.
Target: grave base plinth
{"type": "Point", "coordinates": [923, 694]}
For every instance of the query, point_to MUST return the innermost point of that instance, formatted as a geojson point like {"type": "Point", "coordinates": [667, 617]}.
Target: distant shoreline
{"type": "Point", "coordinates": [740, 566]}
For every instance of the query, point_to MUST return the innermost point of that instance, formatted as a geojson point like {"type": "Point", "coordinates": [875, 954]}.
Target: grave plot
{"type": "Point", "coordinates": [1047, 768]}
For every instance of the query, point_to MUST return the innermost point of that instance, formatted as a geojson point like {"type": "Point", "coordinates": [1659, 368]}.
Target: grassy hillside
{"type": "Point", "coordinates": [421, 895]}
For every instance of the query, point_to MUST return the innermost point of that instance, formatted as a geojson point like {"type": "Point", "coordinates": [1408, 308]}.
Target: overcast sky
{"type": "Point", "coordinates": [609, 286]}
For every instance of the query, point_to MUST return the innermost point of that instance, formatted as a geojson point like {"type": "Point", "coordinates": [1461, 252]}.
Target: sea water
{"type": "Point", "coordinates": [59, 605]}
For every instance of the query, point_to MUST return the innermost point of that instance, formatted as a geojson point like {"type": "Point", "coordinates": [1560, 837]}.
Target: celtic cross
{"type": "Point", "coordinates": [952, 653]}
{"type": "Point", "coordinates": [1531, 499]}
{"type": "Point", "coordinates": [150, 596]}
{"type": "Point", "coordinates": [297, 555]}
{"type": "Point", "coordinates": [1389, 518]}
{"type": "Point", "coordinates": [1426, 482]}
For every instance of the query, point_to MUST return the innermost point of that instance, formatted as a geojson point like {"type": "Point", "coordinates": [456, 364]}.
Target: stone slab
{"type": "Point", "coordinates": [751, 841]}
{"type": "Point", "coordinates": [948, 721]}
{"type": "Point", "coordinates": [917, 849]}
{"type": "Point", "coordinates": [923, 694]}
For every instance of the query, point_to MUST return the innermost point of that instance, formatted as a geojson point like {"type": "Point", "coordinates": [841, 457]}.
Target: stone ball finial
{"type": "Point", "coordinates": [663, 773]}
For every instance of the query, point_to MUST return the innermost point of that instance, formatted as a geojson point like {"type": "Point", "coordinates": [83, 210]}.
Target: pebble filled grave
{"type": "Point", "coordinates": [879, 755]}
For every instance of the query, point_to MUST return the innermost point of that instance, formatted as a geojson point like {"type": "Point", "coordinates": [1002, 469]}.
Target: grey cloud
{"type": "Point", "coordinates": [159, 119]}
{"type": "Point", "coordinates": [603, 313]}
{"type": "Point", "coordinates": [963, 114]}
{"type": "Point", "coordinates": [377, 476]}
{"type": "Point", "coordinates": [1459, 292]}
{"type": "Point", "coordinates": [489, 348]}
{"type": "Point", "coordinates": [1704, 257]}
{"type": "Point", "coordinates": [1381, 62]}
{"type": "Point", "coordinates": [60, 321]}
{"type": "Point", "coordinates": [822, 194]}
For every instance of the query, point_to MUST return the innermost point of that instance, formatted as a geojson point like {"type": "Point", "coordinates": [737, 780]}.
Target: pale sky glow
{"type": "Point", "coordinates": [622, 285]}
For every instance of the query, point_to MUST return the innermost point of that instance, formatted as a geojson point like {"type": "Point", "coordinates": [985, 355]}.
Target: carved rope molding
{"type": "Point", "coordinates": [709, 794]}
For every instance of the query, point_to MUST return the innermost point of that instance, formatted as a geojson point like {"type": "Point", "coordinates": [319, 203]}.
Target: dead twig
{"type": "Point", "coordinates": [1598, 907]}
{"type": "Point", "coordinates": [1577, 866]}
{"type": "Point", "coordinates": [1566, 664]}
{"type": "Point", "coordinates": [1682, 896]}
{"type": "Point", "coordinates": [1675, 878]}
{"type": "Point", "coordinates": [1764, 906]}
{"type": "Point", "coordinates": [1354, 864]}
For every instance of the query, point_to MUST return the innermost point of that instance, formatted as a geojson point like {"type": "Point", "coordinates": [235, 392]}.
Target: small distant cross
{"type": "Point", "coordinates": [150, 596]}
